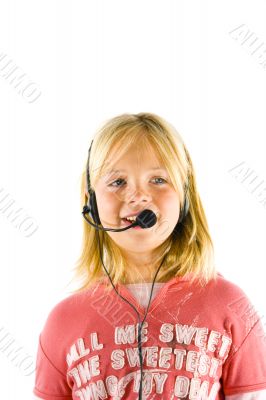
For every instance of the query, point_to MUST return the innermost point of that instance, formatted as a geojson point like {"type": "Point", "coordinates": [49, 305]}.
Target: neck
{"type": "Point", "coordinates": [141, 274]}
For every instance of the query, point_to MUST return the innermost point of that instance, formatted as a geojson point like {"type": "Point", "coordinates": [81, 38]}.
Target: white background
{"type": "Point", "coordinates": [92, 61]}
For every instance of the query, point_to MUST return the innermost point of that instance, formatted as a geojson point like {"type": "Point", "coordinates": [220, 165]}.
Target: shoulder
{"type": "Point", "coordinates": [70, 311]}
{"type": "Point", "coordinates": [227, 288]}
{"type": "Point", "coordinates": [231, 300]}
{"type": "Point", "coordinates": [224, 298]}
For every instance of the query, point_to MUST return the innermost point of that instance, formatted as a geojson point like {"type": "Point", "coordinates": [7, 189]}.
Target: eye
{"type": "Point", "coordinates": [117, 180]}
{"type": "Point", "coordinates": [162, 179]}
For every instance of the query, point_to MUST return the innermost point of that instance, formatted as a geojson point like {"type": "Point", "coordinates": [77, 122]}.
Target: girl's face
{"type": "Point", "coordinates": [136, 187]}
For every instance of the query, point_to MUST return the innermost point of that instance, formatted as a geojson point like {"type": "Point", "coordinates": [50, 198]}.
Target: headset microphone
{"type": "Point", "coordinates": [145, 219]}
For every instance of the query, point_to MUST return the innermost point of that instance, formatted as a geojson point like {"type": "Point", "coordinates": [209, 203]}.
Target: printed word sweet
{"type": "Point", "coordinates": [184, 335]}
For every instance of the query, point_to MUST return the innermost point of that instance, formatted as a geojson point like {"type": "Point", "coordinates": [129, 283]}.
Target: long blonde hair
{"type": "Point", "coordinates": [189, 249]}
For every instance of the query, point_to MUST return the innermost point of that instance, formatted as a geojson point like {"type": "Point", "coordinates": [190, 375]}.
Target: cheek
{"type": "Point", "coordinates": [108, 203]}
{"type": "Point", "coordinates": [169, 206]}
{"type": "Point", "coordinates": [170, 201]}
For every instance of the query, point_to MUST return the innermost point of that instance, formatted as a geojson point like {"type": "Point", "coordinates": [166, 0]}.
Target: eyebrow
{"type": "Point", "coordinates": [124, 170]}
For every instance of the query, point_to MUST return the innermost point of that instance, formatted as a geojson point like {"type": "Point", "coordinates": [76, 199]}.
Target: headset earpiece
{"type": "Point", "coordinates": [93, 207]}
{"type": "Point", "coordinates": [184, 210]}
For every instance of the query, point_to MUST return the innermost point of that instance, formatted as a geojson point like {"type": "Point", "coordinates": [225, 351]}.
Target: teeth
{"type": "Point", "coordinates": [131, 218]}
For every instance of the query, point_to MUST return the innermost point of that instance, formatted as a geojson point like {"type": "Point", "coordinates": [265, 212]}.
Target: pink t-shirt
{"type": "Point", "coordinates": [198, 343]}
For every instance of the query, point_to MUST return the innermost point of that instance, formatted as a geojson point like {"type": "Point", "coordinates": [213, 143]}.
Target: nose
{"type": "Point", "coordinates": [137, 195]}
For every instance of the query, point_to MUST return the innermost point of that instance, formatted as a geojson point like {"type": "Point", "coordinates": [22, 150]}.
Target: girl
{"type": "Point", "coordinates": [191, 335]}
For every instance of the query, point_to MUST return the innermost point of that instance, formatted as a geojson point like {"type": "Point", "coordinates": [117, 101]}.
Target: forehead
{"type": "Point", "coordinates": [137, 154]}
{"type": "Point", "coordinates": [132, 161]}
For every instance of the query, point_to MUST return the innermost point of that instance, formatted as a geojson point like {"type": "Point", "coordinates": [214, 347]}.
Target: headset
{"type": "Point", "coordinates": [145, 219]}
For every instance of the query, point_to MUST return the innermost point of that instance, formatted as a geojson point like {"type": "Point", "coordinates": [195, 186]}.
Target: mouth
{"type": "Point", "coordinates": [130, 218]}
{"type": "Point", "coordinates": [126, 222]}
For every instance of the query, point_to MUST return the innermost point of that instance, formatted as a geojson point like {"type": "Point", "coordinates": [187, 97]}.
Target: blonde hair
{"type": "Point", "coordinates": [189, 249]}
